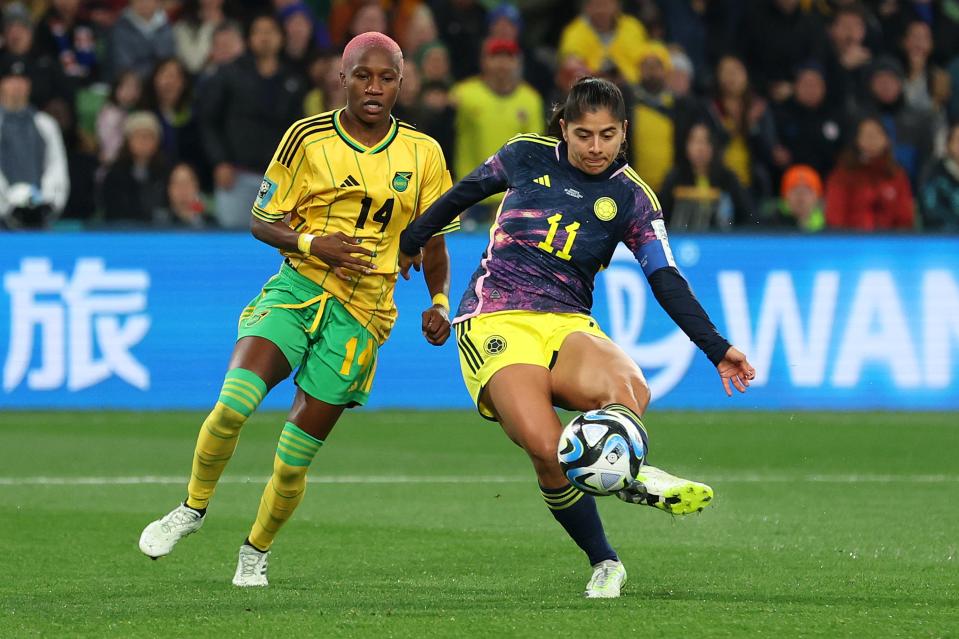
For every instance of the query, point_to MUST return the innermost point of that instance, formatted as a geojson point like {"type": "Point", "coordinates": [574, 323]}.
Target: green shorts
{"type": "Point", "coordinates": [335, 354]}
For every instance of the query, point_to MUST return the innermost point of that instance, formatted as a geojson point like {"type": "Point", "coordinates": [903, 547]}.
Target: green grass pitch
{"type": "Point", "coordinates": [824, 525]}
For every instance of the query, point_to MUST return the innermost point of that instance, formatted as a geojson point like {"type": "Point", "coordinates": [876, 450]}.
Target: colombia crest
{"type": "Point", "coordinates": [605, 208]}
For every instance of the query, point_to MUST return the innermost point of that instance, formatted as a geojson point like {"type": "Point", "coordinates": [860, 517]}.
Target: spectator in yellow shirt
{"type": "Point", "coordinates": [491, 108]}
{"type": "Point", "coordinates": [659, 116]}
{"type": "Point", "coordinates": [608, 40]}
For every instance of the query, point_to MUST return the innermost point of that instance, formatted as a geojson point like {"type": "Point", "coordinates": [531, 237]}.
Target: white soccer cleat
{"type": "Point", "coordinates": [160, 536]}
{"type": "Point", "coordinates": [657, 488]}
{"type": "Point", "coordinates": [608, 579]}
{"type": "Point", "coordinates": [251, 568]}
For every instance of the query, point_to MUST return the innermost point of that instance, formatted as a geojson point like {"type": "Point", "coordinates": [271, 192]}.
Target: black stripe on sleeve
{"type": "Point", "coordinates": [299, 127]}
{"type": "Point", "coordinates": [294, 144]}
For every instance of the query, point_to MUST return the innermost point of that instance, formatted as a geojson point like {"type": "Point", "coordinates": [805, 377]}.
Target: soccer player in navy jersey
{"type": "Point", "coordinates": [526, 339]}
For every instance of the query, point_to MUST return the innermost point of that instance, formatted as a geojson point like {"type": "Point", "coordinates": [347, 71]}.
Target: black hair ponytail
{"type": "Point", "coordinates": [553, 128]}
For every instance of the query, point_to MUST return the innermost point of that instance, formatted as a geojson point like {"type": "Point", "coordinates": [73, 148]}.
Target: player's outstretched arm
{"type": "Point", "coordinates": [646, 238]}
{"type": "Point", "coordinates": [338, 250]}
{"type": "Point", "coordinates": [675, 297]}
{"type": "Point", "coordinates": [483, 182]}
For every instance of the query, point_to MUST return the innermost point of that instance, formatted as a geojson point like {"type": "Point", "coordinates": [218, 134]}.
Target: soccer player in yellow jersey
{"type": "Point", "coordinates": [340, 188]}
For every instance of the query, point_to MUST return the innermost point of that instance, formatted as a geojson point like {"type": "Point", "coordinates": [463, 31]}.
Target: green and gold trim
{"type": "Point", "coordinates": [358, 146]}
{"type": "Point", "coordinates": [242, 391]}
{"type": "Point", "coordinates": [266, 216]}
{"type": "Point", "coordinates": [296, 447]}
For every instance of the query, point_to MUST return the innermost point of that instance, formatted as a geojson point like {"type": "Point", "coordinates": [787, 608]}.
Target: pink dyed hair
{"type": "Point", "coordinates": [371, 40]}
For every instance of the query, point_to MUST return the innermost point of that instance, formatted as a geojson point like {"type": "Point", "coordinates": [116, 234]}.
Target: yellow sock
{"type": "Point", "coordinates": [284, 491]}
{"type": "Point", "coordinates": [242, 392]}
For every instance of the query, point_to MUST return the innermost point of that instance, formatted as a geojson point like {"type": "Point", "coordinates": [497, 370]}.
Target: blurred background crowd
{"type": "Point", "coordinates": [803, 115]}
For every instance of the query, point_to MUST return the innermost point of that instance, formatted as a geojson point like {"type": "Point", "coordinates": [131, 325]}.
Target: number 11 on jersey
{"type": "Point", "coordinates": [571, 229]}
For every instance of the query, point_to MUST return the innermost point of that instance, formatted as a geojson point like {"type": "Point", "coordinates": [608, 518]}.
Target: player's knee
{"type": "Point", "coordinates": [286, 476]}
{"type": "Point", "coordinates": [242, 392]}
{"type": "Point", "coordinates": [626, 388]}
{"type": "Point", "coordinates": [223, 422]}
{"type": "Point", "coordinates": [641, 394]}
{"type": "Point", "coordinates": [228, 417]}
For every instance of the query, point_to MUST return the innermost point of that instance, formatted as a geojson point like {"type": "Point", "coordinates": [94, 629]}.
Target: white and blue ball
{"type": "Point", "coordinates": [601, 451]}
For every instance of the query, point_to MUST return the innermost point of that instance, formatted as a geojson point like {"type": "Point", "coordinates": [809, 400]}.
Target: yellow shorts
{"type": "Point", "coordinates": [488, 343]}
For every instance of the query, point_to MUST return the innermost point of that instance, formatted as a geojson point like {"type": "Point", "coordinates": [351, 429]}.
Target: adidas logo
{"type": "Point", "coordinates": [349, 181]}
{"type": "Point", "coordinates": [543, 180]}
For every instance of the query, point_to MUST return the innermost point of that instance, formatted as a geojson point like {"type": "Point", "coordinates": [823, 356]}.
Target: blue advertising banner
{"type": "Point", "coordinates": [147, 321]}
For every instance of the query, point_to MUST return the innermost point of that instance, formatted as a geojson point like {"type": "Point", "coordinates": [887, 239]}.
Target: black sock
{"type": "Point", "coordinates": [576, 512]}
{"type": "Point", "coordinates": [202, 511]}
{"type": "Point", "coordinates": [247, 542]}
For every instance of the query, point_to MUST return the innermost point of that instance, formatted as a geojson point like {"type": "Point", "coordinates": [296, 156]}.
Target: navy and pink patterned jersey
{"type": "Point", "coordinates": [557, 227]}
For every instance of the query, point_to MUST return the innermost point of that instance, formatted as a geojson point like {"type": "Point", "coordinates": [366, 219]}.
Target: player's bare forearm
{"type": "Point", "coordinates": [436, 266]}
{"type": "Point", "coordinates": [277, 234]}
{"type": "Point", "coordinates": [436, 272]}
{"type": "Point", "coordinates": [341, 252]}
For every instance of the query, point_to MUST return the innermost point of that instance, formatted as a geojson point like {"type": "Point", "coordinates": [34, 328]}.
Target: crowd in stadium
{"type": "Point", "coordinates": [744, 114]}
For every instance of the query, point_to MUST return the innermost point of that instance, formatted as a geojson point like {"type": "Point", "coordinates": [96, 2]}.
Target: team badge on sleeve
{"type": "Point", "coordinates": [605, 208]}
{"type": "Point", "coordinates": [267, 189]}
{"type": "Point", "coordinates": [401, 180]}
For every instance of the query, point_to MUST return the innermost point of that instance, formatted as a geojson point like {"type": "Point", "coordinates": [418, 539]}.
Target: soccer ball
{"type": "Point", "coordinates": [601, 451]}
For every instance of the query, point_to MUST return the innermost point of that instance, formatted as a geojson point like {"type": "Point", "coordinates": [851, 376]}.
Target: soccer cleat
{"type": "Point", "coordinates": [657, 488]}
{"type": "Point", "coordinates": [251, 567]}
{"type": "Point", "coordinates": [160, 536]}
{"type": "Point", "coordinates": [608, 579]}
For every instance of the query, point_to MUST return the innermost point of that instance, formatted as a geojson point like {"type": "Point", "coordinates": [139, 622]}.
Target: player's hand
{"type": "Point", "coordinates": [436, 325]}
{"type": "Point", "coordinates": [340, 251]}
{"type": "Point", "coordinates": [736, 369]}
{"type": "Point", "coordinates": [406, 261]}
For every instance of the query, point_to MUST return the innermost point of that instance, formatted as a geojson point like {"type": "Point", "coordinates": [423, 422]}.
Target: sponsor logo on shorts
{"type": "Point", "coordinates": [494, 345]}
{"type": "Point", "coordinates": [256, 318]}
{"type": "Point", "coordinates": [401, 180]}
{"type": "Point", "coordinates": [605, 208]}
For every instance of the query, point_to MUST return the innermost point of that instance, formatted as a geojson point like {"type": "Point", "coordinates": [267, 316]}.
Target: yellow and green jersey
{"type": "Point", "coordinates": [484, 119]}
{"type": "Point", "coordinates": [323, 181]}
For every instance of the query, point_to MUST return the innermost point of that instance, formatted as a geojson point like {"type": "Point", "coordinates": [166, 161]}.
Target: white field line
{"type": "Point", "coordinates": [746, 478]}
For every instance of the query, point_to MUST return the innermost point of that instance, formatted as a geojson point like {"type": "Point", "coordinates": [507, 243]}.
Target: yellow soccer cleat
{"type": "Point", "coordinates": [675, 495]}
